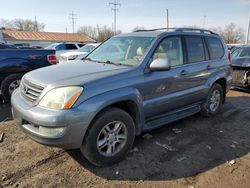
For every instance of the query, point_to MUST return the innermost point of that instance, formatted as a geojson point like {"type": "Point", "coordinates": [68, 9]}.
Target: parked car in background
{"type": "Point", "coordinates": [241, 66]}
{"type": "Point", "coordinates": [4, 46]}
{"type": "Point", "coordinates": [61, 48]}
{"type": "Point", "coordinates": [155, 78]}
{"type": "Point", "coordinates": [232, 46]}
{"type": "Point", "coordinates": [77, 55]}
{"type": "Point", "coordinates": [14, 63]}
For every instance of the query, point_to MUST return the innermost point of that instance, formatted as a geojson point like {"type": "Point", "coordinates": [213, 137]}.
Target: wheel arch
{"type": "Point", "coordinates": [128, 99]}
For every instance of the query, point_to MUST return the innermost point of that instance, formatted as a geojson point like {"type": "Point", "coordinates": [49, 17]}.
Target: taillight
{"type": "Point", "coordinates": [230, 57]}
{"type": "Point", "coordinates": [52, 59]}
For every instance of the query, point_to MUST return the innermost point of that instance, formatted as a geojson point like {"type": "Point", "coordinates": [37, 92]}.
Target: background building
{"type": "Point", "coordinates": [43, 39]}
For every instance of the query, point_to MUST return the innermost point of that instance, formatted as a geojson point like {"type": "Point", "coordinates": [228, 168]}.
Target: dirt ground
{"type": "Point", "coordinates": [193, 152]}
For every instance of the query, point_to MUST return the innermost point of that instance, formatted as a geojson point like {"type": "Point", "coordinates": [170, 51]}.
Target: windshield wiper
{"type": "Point", "coordinates": [106, 62]}
{"type": "Point", "coordinates": [113, 63]}
{"type": "Point", "coordinates": [89, 59]}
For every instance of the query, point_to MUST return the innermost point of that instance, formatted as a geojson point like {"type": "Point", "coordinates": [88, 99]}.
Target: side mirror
{"type": "Point", "coordinates": [160, 65]}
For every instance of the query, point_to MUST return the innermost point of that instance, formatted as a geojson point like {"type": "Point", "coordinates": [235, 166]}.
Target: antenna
{"type": "Point", "coordinates": [115, 9]}
{"type": "Point", "coordinates": [73, 18]}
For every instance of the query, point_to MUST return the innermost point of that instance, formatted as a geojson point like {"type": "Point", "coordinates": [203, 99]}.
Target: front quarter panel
{"type": "Point", "coordinates": [97, 103]}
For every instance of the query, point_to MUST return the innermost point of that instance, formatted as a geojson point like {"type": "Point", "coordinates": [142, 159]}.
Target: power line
{"type": "Point", "coordinates": [115, 9]}
{"type": "Point", "coordinates": [73, 18]}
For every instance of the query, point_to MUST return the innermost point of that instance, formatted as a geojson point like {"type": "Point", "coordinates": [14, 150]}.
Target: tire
{"type": "Point", "coordinates": [101, 156]}
{"type": "Point", "coordinates": [216, 94]}
{"type": "Point", "coordinates": [9, 84]}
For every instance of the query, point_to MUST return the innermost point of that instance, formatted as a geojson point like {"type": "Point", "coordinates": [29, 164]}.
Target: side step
{"type": "Point", "coordinates": [171, 117]}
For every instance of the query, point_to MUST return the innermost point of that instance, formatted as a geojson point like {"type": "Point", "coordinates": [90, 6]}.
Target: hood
{"type": "Point", "coordinates": [76, 73]}
{"type": "Point", "coordinates": [241, 62]}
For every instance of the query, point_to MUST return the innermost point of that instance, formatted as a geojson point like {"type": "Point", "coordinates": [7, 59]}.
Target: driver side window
{"type": "Point", "coordinates": [171, 49]}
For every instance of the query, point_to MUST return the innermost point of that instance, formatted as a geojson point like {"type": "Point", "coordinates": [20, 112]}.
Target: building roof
{"type": "Point", "coordinates": [14, 35]}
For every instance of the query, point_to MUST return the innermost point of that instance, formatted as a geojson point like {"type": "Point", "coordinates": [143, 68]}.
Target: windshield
{"type": "Point", "coordinates": [241, 52]}
{"type": "Point", "coordinates": [122, 50]}
{"type": "Point", "coordinates": [86, 48]}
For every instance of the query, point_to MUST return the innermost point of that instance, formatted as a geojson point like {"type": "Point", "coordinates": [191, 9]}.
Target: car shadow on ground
{"type": "Point", "coordinates": [184, 148]}
{"type": "Point", "coordinates": [5, 111]}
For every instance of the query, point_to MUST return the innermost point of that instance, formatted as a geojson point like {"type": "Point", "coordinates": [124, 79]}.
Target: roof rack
{"type": "Point", "coordinates": [180, 30]}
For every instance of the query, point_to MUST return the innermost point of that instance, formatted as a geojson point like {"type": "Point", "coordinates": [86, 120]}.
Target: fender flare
{"type": "Point", "coordinates": [99, 102]}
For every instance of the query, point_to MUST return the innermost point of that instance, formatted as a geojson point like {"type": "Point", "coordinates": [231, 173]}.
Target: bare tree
{"type": "Point", "coordinates": [90, 31]}
{"type": "Point", "coordinates": [105, 33]}
{"type": "Point", "coordinates": [4, 23]}
{"type": "Point", "coordinates": [23, 25]}
{"type": "Point", "coordinates": [231, 33]}
{"type": "Point", "coordinates": [98, 34]}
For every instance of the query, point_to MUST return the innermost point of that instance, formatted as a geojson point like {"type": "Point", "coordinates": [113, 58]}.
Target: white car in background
{"type": "Point", "coordinates": [64, 47]}
{"type": "Point", "coordinates": [79, 54]}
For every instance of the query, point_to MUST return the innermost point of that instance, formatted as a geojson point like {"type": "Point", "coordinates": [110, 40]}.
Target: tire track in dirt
{"type": "Point", "coordinates": [12, 178]}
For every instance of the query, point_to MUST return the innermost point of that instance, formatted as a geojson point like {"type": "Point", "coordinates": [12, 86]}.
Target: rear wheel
{"type": "Point", "coordinates": [213, 102]}
{"type": "Point", "coordinates": [109, 138]}
{"type": "Point", "coordinates": [9, 84]}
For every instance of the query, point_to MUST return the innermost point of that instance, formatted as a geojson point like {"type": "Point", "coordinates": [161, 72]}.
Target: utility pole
{"type": "Point", "coordinates": [167, 20]}
{"type": "Point", "coordinates": [115, 9]}
{"type": "Point", "coordinates": [73, 18]}
{"type": "Point", "coordinates": [36, 25]}
{"type": "Point", "coordinates": [248, 29]}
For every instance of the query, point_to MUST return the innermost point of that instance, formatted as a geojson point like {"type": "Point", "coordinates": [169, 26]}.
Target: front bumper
{"type": "Point", "coordinates": [241, 78]}
{"type": "Point", "coordinates": [74, 123]}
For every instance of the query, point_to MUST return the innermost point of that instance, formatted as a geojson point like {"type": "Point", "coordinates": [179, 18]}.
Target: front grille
{"type": "Point", "coordinates": [30, 90]}
{"type": "Point", "coordinates": [238, 76]}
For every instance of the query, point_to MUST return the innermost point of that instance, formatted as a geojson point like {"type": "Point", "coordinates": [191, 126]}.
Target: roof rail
{"type": "Point", "coordinates": [195, 29]}
{"type": "Point", "coordinates": [179, 30]}
{"type": "Point", "coordinates": [157, 29]}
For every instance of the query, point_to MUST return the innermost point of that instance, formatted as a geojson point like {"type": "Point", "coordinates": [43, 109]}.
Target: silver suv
{"type": "Point", "coordinates": [130, 84]}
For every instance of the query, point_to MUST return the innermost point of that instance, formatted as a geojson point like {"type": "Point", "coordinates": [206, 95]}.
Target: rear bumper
{"type": "Point", "coordinates": [74, 123]}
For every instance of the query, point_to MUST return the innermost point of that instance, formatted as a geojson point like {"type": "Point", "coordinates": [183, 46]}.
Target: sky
{"type": "Point", "coordinates": [148, 13]}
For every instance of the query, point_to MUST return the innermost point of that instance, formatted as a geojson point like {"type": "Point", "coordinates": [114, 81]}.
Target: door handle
{"type": "Point", "coordinates": [183, 72]}
{"type": "Point", "coordinates": [209, 67]}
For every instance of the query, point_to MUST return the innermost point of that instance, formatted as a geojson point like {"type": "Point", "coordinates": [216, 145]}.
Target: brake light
{"type": "Point", "coordinates": [52, 59]}
{"type": "Point", "coordinates": [230, 57]}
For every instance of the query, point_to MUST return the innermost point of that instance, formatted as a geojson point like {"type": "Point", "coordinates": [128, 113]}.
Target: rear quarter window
{"type": "Point", "coordinates": [195, 49]}
{"type": "Point", "coordinates": [215, 47]}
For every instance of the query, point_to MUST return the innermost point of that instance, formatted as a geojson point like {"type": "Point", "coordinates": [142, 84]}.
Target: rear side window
{"type": "Point", "coordinates": [215, 48]}
{"type": "Point", "coordinates": [60, 47]}
{"type": "Point", "coordinates": [71, 47]}
{"type": "Point", "coordinates": [195, 49]}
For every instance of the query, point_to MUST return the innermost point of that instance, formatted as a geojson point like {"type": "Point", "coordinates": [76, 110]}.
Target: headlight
{"type": "Point", "coordinates": [61, 98]}
{"type": "Point", "coordinates": [73, 57]}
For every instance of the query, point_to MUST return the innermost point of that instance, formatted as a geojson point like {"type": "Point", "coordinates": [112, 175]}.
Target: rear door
{"type": "Point", "coordinates": [196, 70]}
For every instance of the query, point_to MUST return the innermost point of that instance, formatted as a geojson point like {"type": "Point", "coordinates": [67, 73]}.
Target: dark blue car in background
{"type": "Point", "coordinates": [14, 63]}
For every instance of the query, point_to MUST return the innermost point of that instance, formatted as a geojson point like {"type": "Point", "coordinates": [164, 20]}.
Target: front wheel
{"type": "Point", "coordinates": [9, 84]}
{"type": "Point", "coordinates": [213, 101]}
{"type": "Point", "coordinates": [109, 138]}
